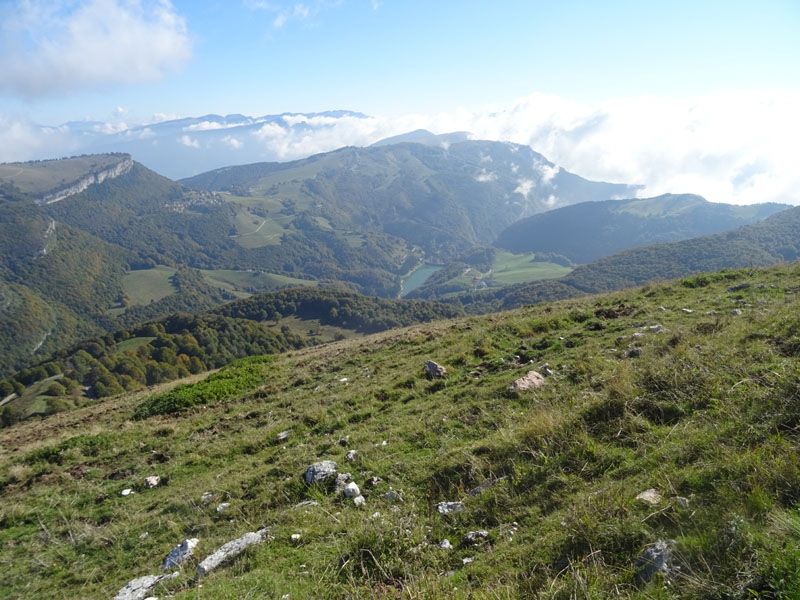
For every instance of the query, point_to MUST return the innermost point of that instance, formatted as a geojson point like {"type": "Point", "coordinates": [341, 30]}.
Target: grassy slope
{"type": "Point", "coordinates": [708, 412]}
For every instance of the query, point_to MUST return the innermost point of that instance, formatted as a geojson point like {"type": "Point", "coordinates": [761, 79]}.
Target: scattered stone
{"type": "Point", "coordinates": [736, 311]}
{"type": "Point", "coordinates": [688, 311]}
{"type": "Point", "coordinates": [319, 471]}
{"type": "Point", "coordinates": [306, 503]}
{"type": "Point", "coordinates": [373, 482]}
{"type": "Point", "coordinates": [152, 481]}
{"type": "Point", "coordinates": [343, 380]}
{"type": "Point", "coordinates": [179, 554]}
{"type": "Point", "coordinates": [138, 589]}
{"type": "Point", "coordinates": [351, 455]}
{"type": "Point", "coordinates": [230, 550]}
{"type": "Point", "coordinates": [143, 535]}
{"type": "Point", "coordinates": [351, 490]}
{"type": "Point", "coordinates": [634, 353]}
{"type": "Point", "coordinates": [651, 497]}
{"type": "Point", "coordinates": [738, 287]}
{"type": "Point", "coordinates": [445, 544]}
{"type": "Point", "coordinates": [392, 496]}
{"type": "Point", "coordinates": [485, 486]}
{"type": "Point", "coordinates": [661, 308]}
{"type": "Point", "coordinates": [466, 561]}
{"type": "Point", "coordinates": [296, 538]}
{"type": "Point", "coordinates": [385, 443]}
{"type": "Point", "coordinates": [532, 380]}
{"type": "Point", "coordinates": [654, 560]}
{"type": "Point", "coordinates": [433, 369]}
{"type": "Point", "coordinates": [445, 508]}
{"type": "Point", "coordinates": [223, 506]}
{"type": "Point", "coordinates": [206, 498]}
{"type": "Point", "coordinates": [682, 502]}
{"type": "Point", "coordinates": [359, 501]}
{"type": "Point", "coordinates": [761, 286]}
{"type": "Point", "coordinates": [126, 492]}
{"type": "Point", "coordinates": [475, 537]}
{"type": "Point", "coordinates": [637, 334]}
{"type": "Point", "coordinates": [341, 482]}
{"type": "Point", "coordinates": [657, 328]}
{"type": "Point", "coordinates": [711, 312]}
{"type": "Point", "coordinates": [284, 435]}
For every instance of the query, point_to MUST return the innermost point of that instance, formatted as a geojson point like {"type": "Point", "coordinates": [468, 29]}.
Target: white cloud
{"type": "Point", "coordinates": [547, 172]}
{"type": "Point", "coordinates": [188, 142]}
{"type": "Point", "coordinates": [54, 46]}
{"type": "Point", "coordinates": [524, 187]}
{"type": "Point", "coordinates": [233, 142]}
{"type": "Point", "coordinates": [486, 176]}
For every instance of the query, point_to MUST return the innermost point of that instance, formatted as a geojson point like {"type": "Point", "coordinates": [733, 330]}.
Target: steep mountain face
{"type": "Point", "coordinates": [589, 230]}
{"type": "Point", "coordinates": [443, 200]}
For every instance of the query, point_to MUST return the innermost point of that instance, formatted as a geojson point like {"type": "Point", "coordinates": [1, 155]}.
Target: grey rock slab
{"type": "Point", "coordinates": [230, 550]}
{"type": "Point", "coordinates": [284, 435]}
{"type": "Point", "coordinates": [179, 554]}
{"type": "Point", "coordinates": [654, 560]}
{"type": "Point", "coordinates": [392, 496]}
{"type": "Point", "coordinates": [736, 311]}
{"type": "Point", "coordinates": [434, 369]}
{"type": "Point", "coordinates": [530, 381]}
{"type": "Point", "coordinates": [739, 286]}
{"type": "Point", "coordinates": [139, 588]}
{"type": "Point", "coordinates": [223, 506]}
{"type": "Point", "coordinates": [446, 508]}
{"type": "Point", "coordinates": [319, 471]}
{"type": "Point", "coordinates": [475, 537]}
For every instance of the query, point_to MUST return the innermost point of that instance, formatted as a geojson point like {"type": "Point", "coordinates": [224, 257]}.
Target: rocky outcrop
{"type": "Point", "coordinates": [139, 588]}
{"type": "Point", "coordinates": [122, 167]}
{"type": "Point", "coordinates": [319, 471]}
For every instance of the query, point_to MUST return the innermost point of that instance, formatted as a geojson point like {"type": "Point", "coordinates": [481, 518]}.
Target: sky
{"type": "Point", "coordinates": [679, 96]}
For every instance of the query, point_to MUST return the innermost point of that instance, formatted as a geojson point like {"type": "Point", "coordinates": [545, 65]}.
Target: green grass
{"type": "Point", "coordinates": [253, 280]}
{"type": "Point", "coordinates": [133, 343]}
{"type": "Point", "coordinates": [148, 285]}
{"type": "Point", "coordinates": [709, 411]}
{"type": "Point", "coordinates": [509, 269]}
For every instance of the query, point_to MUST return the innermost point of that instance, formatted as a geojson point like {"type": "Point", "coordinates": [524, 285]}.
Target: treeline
{"type": "Point", "coordinates": [145, 355]}
{"type": "Point", "coordinates": [338, 308]}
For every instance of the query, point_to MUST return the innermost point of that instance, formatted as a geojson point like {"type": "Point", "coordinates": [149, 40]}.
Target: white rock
{"type": "Point", "coordinates": [651, 497]}
{"type": "Point", "coordinates": [351, 455]}
{"type": "Point", "coordinates": [179, 554]}
{"type": "Point", "coordinates": [139, 588]}
{"type": "Point", "coordinates": [152, 481]}
{"type": "Point", "coordinates": [688, 311]}
{"type": "Point", "coordinates": [682, 502]}
{"type": "Point", "coordinates": [467, 560]}
{"type": "Point", "coordinates": [351, 490]}
{"type": "Point", "coordinates": [359, 501]}
{"type": "Point", "coordinates": [657, 328]}
{"type": "Point", "coordinates": [343, 380]}
{"type": "Point", "coordinates": [230, 550]}
{"type": "Point", "coordinates": [445, 544]}
{"type": "Point", "coordinates": [530, 381]}
{"type": "Point", "coordinates": [446, 508]}
{"type": "Point", "coordinates": [126, 492]}
{"type": "Point", "coordinates": [284, 435]}
{"type": "Point", "coordinates": [223, 506]}
{"type": "Point", "coordinates": [143, 535]}
{"type": "Point", "coordinates": [296, 538]}
{"type": "Point", "coordinates": [474, 537]}
{"type": "Point", "coordinates": [434, 369]}
{"type": "Point", "coordinates": [206, 498]}
{"type": "Point", "coordinates": [392, 496]}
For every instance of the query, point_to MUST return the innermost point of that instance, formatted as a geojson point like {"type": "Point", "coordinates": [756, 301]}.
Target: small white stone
{"type": "Point", "coordinates": [359, 501]}
{"type": "Point", "coordinates": [467, 560]}
{"type": "Point", "coordinates": [343, 380]}
{"type": "Point", "coordinates": [223, 506]}
{"type": "Point", "coordinates": [143, 535]}
{"type": "Point", "coordinates": [126, 492]}
{"type": "Point", "coordinates": [351, 455]}
{"type": "Point", "coordinates": [296, 538]}
{"type": "Point", "coordinates": [152, 481]}
{"type": "Point", "coordinates": [351, 490]}
{"type": "Point", "coordinates": [682, 502]}
{"type": "Point", "coordinates": [651, 497]}
{"type": "Point", "coordinates": [688, 311]}
{"type": "Point", "coordinates": [207, 498]}
{"type": "Point", "coordinates": [445, 544]}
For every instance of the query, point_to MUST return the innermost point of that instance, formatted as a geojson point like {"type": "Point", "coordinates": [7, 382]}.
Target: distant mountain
{"type": "Point", "coordinates": [192, 145]}
{"type": "Point", "coordinates": [443, 200]}
{"type": "Point", "coordinates": [589, 230]}
{"type": "Point", "coordinates": [423, 136]}
{"type": "Point", "coordinates": [774, 240]}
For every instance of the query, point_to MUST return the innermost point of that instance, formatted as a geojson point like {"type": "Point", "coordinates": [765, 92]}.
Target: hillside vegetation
{"type": "Point", "coordinates": [684, 390]}
{"type": "Point", "coordinates": [590, 230]}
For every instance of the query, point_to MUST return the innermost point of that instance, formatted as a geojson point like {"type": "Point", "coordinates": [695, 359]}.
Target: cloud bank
{"type": "Point", "coordinates": [736, 147]}
{"type": "Point", "coordinates": [54, 46]}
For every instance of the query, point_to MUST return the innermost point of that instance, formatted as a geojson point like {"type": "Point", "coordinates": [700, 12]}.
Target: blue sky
{"type": "Point", "coordinates": [680, 96]}
{"type": "Point", "coordinates": [400, 56]}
